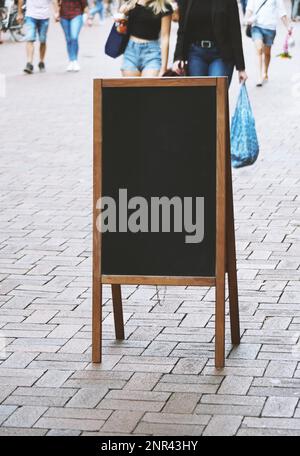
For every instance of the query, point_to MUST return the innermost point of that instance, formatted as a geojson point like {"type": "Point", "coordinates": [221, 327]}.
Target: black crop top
{"type": "Point", "coordinates": [144, 23]}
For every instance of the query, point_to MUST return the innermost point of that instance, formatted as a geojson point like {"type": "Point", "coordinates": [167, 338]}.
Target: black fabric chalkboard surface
{"type": "Point", "coordinates": [160, 141]}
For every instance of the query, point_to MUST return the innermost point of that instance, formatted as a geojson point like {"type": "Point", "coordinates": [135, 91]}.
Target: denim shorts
{"type": "Point", "coordinates": [142, 56]}
{"type": "Point", "coordinates": [267, 36]}
{"type": "Point", "coordinates": [34, 26]}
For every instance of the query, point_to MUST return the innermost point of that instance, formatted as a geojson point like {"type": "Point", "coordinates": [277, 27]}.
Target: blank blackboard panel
{"type": "Point", "coordinates": [160, 141]}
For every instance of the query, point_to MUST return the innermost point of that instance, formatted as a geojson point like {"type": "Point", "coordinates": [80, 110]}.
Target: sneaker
{"type": "Point", "coordinates": [70, 67]}
{"type": "Point", "coordinates": [42, 67]}
{"type": "Point", "coordinates": [29, 68]}
{"type": "Point", "coordinates": [76, 66]}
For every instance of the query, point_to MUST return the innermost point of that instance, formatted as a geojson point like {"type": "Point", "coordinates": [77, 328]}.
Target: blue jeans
{"type": "Point", "coordinates": [98, 8]}
{"type": "Point", "coordinates": [244, 5]}
{"type": "Point", "coordinates": [208, 62]}
{"type": "Point", "coordinates": [295, 9]}
{"type": "Point", "coordinates": [71, 28]}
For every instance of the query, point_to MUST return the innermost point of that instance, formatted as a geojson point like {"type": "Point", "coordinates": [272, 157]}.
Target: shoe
{"type": "Point", "coordinates": [42, 67]}
{"type": "Point", "coordinates": [259, 83]}
{"type": "Point", "coordinates": [29, 68]}
{"type": "Point", "coordinates": [70, 67]}
{"type": "Point", "coordinates": [76, 66]}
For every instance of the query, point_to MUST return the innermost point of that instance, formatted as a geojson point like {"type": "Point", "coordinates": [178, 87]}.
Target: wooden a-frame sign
{"type": "Point", "coordinates": [225, 250]}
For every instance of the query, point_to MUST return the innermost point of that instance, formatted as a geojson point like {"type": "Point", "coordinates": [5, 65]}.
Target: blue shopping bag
{"type": "Point", "coordinates": [244, 142]}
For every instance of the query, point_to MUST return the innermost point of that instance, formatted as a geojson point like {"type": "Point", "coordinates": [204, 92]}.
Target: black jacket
{"type": "Point", "coordinates": [227, 31]}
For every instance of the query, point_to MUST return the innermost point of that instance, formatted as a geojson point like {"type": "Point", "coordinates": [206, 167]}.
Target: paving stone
{"type": "Point", "coordinates": [281, 369]}
{"type": "Point", "coordinates": [25, 416]}
{"type": "Point", "coordinates": [176, 418]}
{"type": "Point", "coordinates": [189, 366]}
{"type": "Point", "coordinates": [245, 351]}
{"type": "Point", "coordinates": [181, 403]}
{"type": "Point", "coordinates": [228, 410]}
{"type": "Point", "coordinates": [231, 399]}
{"type": "Point", "coordinates": [18, 360]}
{"type": "Point", "coordinates": [63, 433]}
{"type": "Point", "coordinates": [5, 412]}
{"type": "Point", "coordinates": [87, 397]}
{"type": "Point", "coordinates": [273, 423]}
{"type": "Point", "coordinates": [220, 425]}
{"type": "Point", "coordinates": [69, 423]}
{"type": "Point", "coordinates": [280, 406]}
{"type": "Point", "coordinates": [54, 378]}
{"type": "Point", "coordinates": [131, 405]}
{"type": "Point", "coordinates": [47, 401]}
{"type": "Point", "coordinates": [238, 385]}
{"type": "Point", "coordinates": [76, 346]}
{"type": "Point", "coordinates": [142, 381]}
{"type": "Point", "coordinates": [168, 429]}
{"type": "Point", "coordinates": [65, 331]}
{"type": "Point", "coordinates": [122, 421]}
{"type": "Point", "coordinates": [249, 432]}
{"type": "Point", "coordinates": [77, 413]}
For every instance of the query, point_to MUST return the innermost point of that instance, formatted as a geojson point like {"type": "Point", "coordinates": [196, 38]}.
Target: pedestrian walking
{"type": "Point", "coordinates": [149, 25]}
{"type": "Point", "coordinates": [97, 8]}
{"type": "Point", "coordinates": [209, 41]}
{"type": "Point", "coordinates": [263, 16]}
{"type": "Point", "coordinates": [2, 15]}
{"type": "Point", "coordinates": [71, 19]}
{"type": "Point", "coordinates": [244, 5]}
{"type": "Point", "coordinates": [295, 13]}
{"type": "Point", "coordinates": [36, 23]}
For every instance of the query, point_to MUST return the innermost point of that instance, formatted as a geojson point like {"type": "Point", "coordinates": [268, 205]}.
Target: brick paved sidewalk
{"type": "Point", "coordinates": [161, 380]}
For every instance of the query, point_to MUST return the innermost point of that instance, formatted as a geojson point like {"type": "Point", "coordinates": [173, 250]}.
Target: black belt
{"type": "Point", "coordinates": [206, 44]}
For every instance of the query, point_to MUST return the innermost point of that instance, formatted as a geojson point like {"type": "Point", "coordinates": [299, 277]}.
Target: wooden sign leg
{"type": "Point", "coordinates": [97, 189]}
{"type": "Point", "coordinates": [231, 248]}
{"type": "Point", "coordinates": [220, 323]}
{"type": "Point", "coordinates": [118, 311]}
{"type": "Point", "coordinates": [97, 322]}
{"type": "Point", "coordinates": [231, 263]}
{"type": "Point", "coordinates": [222, 89]}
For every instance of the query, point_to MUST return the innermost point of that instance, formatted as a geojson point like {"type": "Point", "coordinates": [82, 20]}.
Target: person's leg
{"type": "Point", "coordinates": [197, 64]}
{"type": "Point", "coordinates": [267, 61]}
{"type": "Point", "coordinates": [269, 36]}
{"type": "Point", "coordinates": [31, 29]}
{"type": "Point", "coordinates": [30, 51]}
{"type": "Point", "coordinates": [75, 27]}
{"type": "Point", "coordinates": [131, 61]}
{"type": "Point", "coordinates": [65, 23]}
{"type": "Point", "coordinates": [43, 25]}
{"type": "Point", "coordinates": [150, 59]}
{"type": "Point", "coordinates": [148, 73]}
{"type": "Point", "coordinates": [295, 9]}
{"type": "Point", "coordinates": [220, 68]}
{"type": "Point", "coordinates": [244, 5]}
{"type": "Point", "coordinates": [259, 45]}
{"type": "Point", "coordinates": [100, 10]}
{"type": "Point", "coordinates": [258, 40]}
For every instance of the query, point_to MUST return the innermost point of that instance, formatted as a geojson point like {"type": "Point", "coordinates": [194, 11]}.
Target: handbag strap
{"type": "Point", "coordinates": [263, 4]}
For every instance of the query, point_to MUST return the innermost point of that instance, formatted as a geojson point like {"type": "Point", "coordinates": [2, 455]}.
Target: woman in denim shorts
{"type": "Point", "coordinates": [149, 25]}
{"type": "Point", "coordinates": [263, 16]}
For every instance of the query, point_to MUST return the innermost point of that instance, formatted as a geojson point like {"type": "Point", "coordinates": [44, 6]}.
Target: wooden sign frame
{"type": "Point", "coordinates": [225, 235]}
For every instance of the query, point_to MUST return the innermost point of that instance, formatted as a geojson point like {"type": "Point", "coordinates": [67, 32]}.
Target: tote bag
{"type": "Point", "coordinates": [116, 42]}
